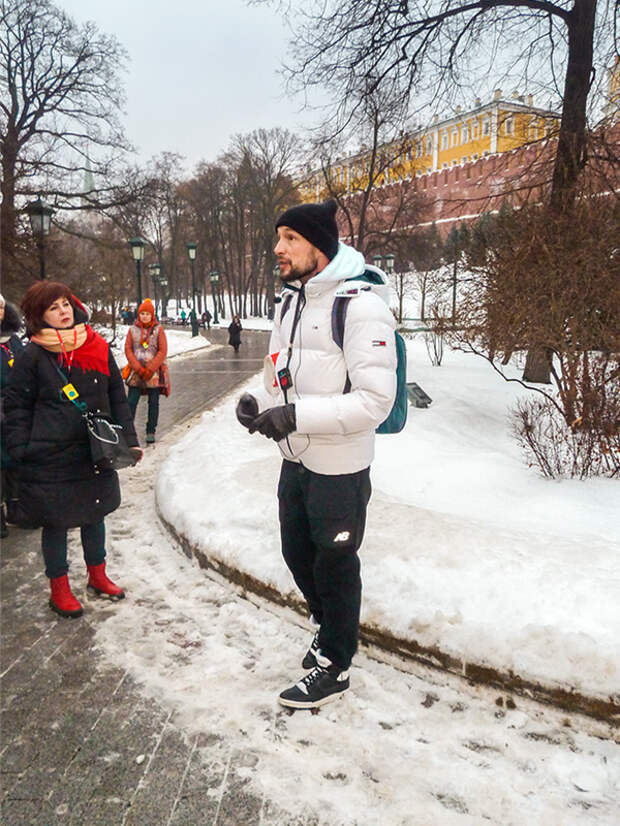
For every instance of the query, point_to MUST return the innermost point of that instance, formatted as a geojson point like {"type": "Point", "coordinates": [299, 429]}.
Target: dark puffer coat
{"type": "Point", "coordinates": [9, 350]}
{"type": "Point", "coordinates": [47, 437]}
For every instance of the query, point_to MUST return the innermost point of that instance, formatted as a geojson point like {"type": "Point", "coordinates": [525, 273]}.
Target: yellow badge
{"type": "Point", "coordinates": [70, 392]}
{"type": "Point", "coordinates": [11, 362]}
{"type": "Point", "coordinates": [145, 344]}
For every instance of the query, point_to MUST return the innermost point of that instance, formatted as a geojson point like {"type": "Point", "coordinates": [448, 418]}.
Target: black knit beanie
{"type": "Point", "coordinates": [317, 224]}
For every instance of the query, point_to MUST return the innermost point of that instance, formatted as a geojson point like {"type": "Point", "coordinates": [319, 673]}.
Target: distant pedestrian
{"type": "Point", "coordinates": [146, 348]}
{"type": "Point", "coordinates": [234, 333]}
{"type": "Point", "coordinates": [183, 317]}
{"type": "Point", "coordinates": [59, 487]}
{"type": "Point", "coordinates": [10, 346]}
{"type": "Point", "coordinates": [206, 319]}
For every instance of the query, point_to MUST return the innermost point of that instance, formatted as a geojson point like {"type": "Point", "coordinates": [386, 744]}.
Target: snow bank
{"type": "Point", "coordinates": [466, 547]}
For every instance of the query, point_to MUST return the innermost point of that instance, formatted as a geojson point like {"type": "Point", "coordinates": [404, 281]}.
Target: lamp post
{"type": "Point", "coordinates": [214, 278]}
{"type": "Point", "coordinates": [191, 252]}
{"type": "Point", "coordinates": [389, 263]}
{"type": "Point", "coordinates": [163, 280]}
{"type": "Point", "coordinates": [137, 250]}
{"type": "Point", "coordinates": [40, 215]}
{"type": "Point", "coordinates": [155, 269]}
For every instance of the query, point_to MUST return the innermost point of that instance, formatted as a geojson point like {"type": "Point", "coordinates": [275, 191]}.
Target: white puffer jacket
{"type": "Point", "coordinates": [335, 430]}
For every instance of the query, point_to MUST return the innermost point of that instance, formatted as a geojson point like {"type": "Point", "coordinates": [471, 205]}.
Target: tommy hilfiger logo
{"type": "Point", "coordinates": [342, 536]}
{"type": "Point", "coordinates": [379, 343]}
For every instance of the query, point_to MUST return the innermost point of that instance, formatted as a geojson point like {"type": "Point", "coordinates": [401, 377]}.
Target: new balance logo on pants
{"type": "Point", "coordinates": [342, 536]}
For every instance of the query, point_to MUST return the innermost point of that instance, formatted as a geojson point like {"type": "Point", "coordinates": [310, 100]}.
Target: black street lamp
{"type": "Point", "coordinates": [214, 278]}
{"type": "Point", "coordinates": [40, 215]}
{"type": "Point", "coordinates": [137, 250]}
{"type": "Point", "coordinates": [155, 269]}
{"type": "Point", "coordinates": [163, 280]}
{"type": "Point", "coordinates": [191, 252]}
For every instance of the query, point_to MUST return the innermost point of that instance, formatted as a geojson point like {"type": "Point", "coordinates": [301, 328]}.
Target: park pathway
{"type": "Point", "coordinates": [81, 744]}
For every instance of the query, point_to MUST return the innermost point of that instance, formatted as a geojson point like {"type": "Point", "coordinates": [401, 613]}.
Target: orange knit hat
{"type": "Point", "coordinates": [147, 307]}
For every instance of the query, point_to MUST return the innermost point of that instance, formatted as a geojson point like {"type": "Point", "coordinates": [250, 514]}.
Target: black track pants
{"type": "Point", "coordinates": [322, 521]}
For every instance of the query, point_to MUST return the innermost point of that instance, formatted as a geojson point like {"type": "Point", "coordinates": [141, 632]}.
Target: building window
{"type": "Point", "coordinates": [465, 134]}
{"type": "Point", "coordinates": [474, 131]}
{"type": "Point", "coordinates": [429, 145]}
{"type": "Point", "coordinates": [509, 126]}
{"type": "Point", "coordinates": [475, 156]}
{"type": "Point", "coordinates": [429, 169]}
{"type": "Point", "coordinates": [444, 165]}
{"type": "Point", "coordinates": [444, 140]}
{"type": "Point", "coordinates": [486, 127]}
{"type": "Point", "coordinates": [418, 149]}
{"type": "Point", "coordinates": [454, 162]}
{"type": "Point", "coordinates": [485, 153]}
{"type": "Point", "coordinates": [464, 159]}
{"type": "Point", "coordinates": [455, 137]}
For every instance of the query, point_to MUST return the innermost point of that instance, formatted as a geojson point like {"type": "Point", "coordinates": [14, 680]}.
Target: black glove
{"type": "Point", "coordinates": [275, 423]}
{"type": "Point", "coordinates": [247, 409]}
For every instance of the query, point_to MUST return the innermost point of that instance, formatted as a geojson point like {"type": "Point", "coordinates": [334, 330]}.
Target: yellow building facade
{"type": "Point", "coordinates": [493, 128]}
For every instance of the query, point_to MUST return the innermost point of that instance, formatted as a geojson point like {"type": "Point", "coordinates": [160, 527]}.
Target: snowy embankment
{"type": "Point", "coordinates": [467, 549]}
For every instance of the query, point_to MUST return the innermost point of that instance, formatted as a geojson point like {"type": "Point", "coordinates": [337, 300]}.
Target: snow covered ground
{"type": "Point", "coordinates": [466, 548]}
{"type": "Point", "coordinates": [399, 749]}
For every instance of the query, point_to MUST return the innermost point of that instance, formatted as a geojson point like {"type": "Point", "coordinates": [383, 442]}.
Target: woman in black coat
{"type": "Point", "coordinates": [234, 333]}
{"type": "Point", "coordinates": [59, 488]}
{"type": "Point", "coordinates": [10, 346]}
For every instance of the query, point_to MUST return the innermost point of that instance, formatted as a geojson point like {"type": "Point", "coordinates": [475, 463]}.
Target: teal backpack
{"type": "Point", "coordinates": [397, 417]}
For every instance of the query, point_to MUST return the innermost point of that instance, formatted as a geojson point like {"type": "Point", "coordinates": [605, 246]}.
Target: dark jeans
{"type": "Point", "coordinates": [133, 397]}
{"type": "Point", "coordinates": [54, 547]}
{"type": "Point", "coordinates": [322, 522]}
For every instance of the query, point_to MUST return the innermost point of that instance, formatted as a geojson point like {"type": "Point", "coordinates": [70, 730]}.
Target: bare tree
{"type": "Point", "coordinates": [432, 49]}
{"type": "Point", "coordinates": [233, 206]}
{"type": "Point", "coordinates": [59, 105]}
{"type": "Point", "coordinates": [551, 282]}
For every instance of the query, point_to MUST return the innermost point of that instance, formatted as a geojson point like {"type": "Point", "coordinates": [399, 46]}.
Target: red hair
{"type": "Point", "coordinates": [39, 299]}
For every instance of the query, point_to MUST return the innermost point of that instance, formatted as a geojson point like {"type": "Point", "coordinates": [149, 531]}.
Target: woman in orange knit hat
{"type": "Point", "coordinates": [146, 348]}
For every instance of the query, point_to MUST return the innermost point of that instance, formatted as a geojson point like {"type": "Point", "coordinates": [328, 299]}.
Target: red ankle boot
{"type": "Point", "coordinates": [62, 600]}
{"type": "Point", "coordinates": [100, 584]}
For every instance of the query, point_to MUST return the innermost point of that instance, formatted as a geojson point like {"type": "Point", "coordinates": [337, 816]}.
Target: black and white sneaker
{"type": "Point", "coordinates": [310, 661]}
{"type": "Point", "coordinates": [320, 686]}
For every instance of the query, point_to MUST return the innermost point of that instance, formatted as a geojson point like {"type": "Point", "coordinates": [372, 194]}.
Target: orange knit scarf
{"type": "Point", "coordinates": [72, 338]}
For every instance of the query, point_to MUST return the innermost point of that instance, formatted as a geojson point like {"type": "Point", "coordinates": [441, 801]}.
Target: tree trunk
{"type": "Point", "coordinates": [570, 154]}
{"type": "Point", "coordinates": [571, 149]}
{"type": "Point", "coordinates": [8, 239]}
{"type": "Point", "coordinates": [537, 367]}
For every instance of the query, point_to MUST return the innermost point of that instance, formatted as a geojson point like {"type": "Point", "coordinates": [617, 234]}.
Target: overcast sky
{"type": "Point", "coordinates": [200, 71]}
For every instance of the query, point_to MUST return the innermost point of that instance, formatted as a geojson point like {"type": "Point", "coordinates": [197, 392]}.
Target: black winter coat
{"type": "Point", "coordinates": [234, 332]}
{"type": "Point", "coordinates": [9, 351]}
{"type": "Point", "coordinates": [47, 437]}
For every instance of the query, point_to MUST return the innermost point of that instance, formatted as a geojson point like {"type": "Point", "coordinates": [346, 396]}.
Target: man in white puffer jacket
{"type": "Point", "coordinates": [321, 403]}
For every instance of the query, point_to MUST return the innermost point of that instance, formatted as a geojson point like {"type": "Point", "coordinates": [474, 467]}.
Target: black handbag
{"type": "Point", "coordinates": [108, 446]}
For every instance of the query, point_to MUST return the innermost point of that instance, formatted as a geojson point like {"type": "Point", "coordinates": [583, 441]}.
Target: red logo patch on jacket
{"type": "Point", "coordinates": [379, 343]}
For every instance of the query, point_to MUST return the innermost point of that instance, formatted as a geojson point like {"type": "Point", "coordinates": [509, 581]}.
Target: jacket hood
{"type": "Point", "coordinates": [11, 323]}
{"type": "Point", "coordinates": [347, 263]}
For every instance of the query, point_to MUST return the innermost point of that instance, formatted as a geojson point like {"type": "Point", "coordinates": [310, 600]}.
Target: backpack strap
{"type": "Point", "coordinates": [339, 314]}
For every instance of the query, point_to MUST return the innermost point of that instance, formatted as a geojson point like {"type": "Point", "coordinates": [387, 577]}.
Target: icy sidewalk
{"type": "Point", "coordinates": [470, 559]}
